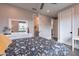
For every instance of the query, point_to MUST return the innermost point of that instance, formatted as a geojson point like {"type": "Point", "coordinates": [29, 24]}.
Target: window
{"type": "Point", "coordinates": [23, 26]}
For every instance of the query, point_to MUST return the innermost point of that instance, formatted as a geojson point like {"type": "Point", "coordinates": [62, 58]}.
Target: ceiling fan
{"type": "Point", "coordinates": [42, 5]}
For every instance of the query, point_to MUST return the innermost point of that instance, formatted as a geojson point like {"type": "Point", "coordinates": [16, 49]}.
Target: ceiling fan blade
{"type": "Point", "coordinates": [42, 5]}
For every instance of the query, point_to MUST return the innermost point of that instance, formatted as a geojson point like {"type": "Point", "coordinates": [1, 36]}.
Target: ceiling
{"type": "Point", "coordinates": [49, 9]}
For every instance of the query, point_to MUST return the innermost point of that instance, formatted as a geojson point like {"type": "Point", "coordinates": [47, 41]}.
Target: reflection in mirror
{"type": "Point", "coordinates": [14, 25]}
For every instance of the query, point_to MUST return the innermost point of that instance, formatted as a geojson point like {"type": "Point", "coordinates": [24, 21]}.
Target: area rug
{"type": "Point", "coordinates": [37, 47]}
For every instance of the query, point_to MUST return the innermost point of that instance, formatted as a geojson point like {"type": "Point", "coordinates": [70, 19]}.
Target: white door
{"type": "Point", "coordinates": [65, 26]}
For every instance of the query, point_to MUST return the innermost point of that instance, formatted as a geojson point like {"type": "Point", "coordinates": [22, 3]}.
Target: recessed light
{"type": "Point", "coordinates": [48, 11]}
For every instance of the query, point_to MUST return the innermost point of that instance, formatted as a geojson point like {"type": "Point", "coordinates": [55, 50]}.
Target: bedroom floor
{"type": "Point", "coordinates": [39, 47]}
{"type": "Point", "coordinates": [75, 53]}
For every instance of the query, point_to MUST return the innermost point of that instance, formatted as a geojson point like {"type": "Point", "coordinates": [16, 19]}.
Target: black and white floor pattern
{"type": "Point", "coordinates": [36, 47]}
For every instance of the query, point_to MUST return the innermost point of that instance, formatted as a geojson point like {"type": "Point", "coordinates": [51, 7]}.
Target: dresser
{"type": "Point", "coordinates": [73, 42]}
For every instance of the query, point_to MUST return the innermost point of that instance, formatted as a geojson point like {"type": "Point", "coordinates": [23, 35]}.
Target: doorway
{"type": "Point", "coordinates": [36, 26]}
{"type": "Point", "coordinates": [54, 29]}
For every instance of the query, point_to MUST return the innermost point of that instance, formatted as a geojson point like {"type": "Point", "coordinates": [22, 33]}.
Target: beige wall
{"type": "Point", "coordinates": [8, 11]}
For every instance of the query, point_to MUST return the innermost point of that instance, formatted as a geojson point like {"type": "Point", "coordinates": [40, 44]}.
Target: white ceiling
{"type": "Point", "coordinates": [54, 8]}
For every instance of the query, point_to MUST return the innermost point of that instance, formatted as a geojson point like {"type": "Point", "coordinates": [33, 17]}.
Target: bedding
{"type": "Point", "coordinates": [37, 47]}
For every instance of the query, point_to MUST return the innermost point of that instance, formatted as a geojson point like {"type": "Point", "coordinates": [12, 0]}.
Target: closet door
{"type": "Point", "coordinates": [65, 26]}
{"type": "Point", "coordinates": [76, 21]}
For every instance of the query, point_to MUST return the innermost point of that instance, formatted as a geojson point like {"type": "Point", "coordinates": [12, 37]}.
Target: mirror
{"type": "Point", "coordinates": [18, 25]}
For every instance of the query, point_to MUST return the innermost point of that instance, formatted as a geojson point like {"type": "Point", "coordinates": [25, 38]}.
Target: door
{"type": "Point", "coordinates": [65, 26]}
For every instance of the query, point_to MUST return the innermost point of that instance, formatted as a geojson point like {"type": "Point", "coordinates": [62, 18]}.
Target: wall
{"type": "Point", "coordinates": [8, 11]}
{"type": "Point", "coordinates": [44, 27]}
